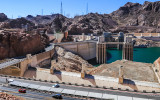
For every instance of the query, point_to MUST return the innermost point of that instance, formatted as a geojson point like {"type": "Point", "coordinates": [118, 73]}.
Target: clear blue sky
{"type": "Point", "coordinates": [70, 7]}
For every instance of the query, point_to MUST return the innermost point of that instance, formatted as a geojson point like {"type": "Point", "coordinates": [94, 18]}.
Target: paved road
{"type": "Point", "coordinates": [32, 95]}
{"type": "Point", "coordinates": [10, 62]}
{"type": "Point", "coordinates": [98, 90]}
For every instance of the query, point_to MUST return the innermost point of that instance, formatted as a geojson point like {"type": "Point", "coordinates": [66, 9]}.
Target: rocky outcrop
{"type": "Point", "coordinates": [15, 43]}
{"type": "Point", "coordinates": [59, 24]}
{"type": "Point", "coordinates": [145, 17]}
{"type": "Point", "coordinates": [17, 23]}
{"type": "Point", "coordinates": [3, 17]}
{"type": "Point", "coordinates": [91, 23]}
{"type": "Point", "coordinates": [5, 96]}
{"type": "Point", "coordinates": [151, 6]}
{"type": "Point", "coordinates": [42, 20]}
{"type": "Point", "coordinates": [20, 23]}
{"type": "Point", "coordinates": [67, 61]}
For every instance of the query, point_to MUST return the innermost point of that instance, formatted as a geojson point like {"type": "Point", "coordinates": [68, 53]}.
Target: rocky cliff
{"type": "Point", "coordinates": [15, 43]}
{"type": "Point", "coordinates": [134, 17]}
{"type": "Point", "coordinates": [42, 20]}
{"type": "Point", "coordinates": [91, 23]}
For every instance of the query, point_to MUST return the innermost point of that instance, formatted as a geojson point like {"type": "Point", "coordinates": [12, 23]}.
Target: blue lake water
{"type": "Point", "coordinates": [147, 55]}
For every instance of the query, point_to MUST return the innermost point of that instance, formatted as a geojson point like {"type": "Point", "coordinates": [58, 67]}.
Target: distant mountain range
{"type": "Point", "coordinates": [132, 17]}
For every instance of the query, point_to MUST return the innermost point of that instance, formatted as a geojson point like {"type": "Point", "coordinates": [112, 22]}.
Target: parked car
{"type": "Point", "coordinates": [56, 86]}
{"type": "Point", "coordinates": [22, 90]}
{"type": "Point", "coordinates": [57, 96]}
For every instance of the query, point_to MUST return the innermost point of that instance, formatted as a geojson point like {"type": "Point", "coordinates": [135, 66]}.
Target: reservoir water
{"type": "Point", "coordinates": [147, 55]}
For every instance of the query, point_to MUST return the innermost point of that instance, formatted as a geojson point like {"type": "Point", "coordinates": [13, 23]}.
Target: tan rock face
{"type": "Point", "coordinates": [13, 44]}
{"type": "Point", "coordinates": [67, 61]}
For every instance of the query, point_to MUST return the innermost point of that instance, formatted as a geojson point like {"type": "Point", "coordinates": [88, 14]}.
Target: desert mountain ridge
{"type": "Point", "coordinates": [132, 17]}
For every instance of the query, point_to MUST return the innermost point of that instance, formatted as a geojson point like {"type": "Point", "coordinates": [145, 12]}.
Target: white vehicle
{"type": "Point", "coordinates": [10, 80]}
{"type": "Point", "coordinates": [56, 85]}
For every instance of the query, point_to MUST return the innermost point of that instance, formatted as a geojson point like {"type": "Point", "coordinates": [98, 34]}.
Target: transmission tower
{"type": "Point", "coordinates": [87, 9]}
{"type": "Point", "coordinates": [42, 12]}
{"type": "Point", "coordinates": [61, 8]}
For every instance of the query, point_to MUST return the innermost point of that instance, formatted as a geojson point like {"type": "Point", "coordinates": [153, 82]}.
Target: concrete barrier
{"type": "Point", "coordinates": [94, 80]}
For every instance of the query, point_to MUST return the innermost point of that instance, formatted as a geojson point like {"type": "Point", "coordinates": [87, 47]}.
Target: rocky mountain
{"type": "Point", "coordinates": [16, 23]}
{"type": "Point", "coordinates": [3, 17]}
{"type": "Point", "coordinates": [134, 17]}
{"type": "Point", "coordinates": [90, 23]}
{"type": "Point", "coordinates": [41, 20]}
{"type": "Point", "coordinates": [20, 23]}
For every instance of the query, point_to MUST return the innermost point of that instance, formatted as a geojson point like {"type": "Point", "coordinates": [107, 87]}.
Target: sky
{"type": "Point", "coordinates": [22, 8]}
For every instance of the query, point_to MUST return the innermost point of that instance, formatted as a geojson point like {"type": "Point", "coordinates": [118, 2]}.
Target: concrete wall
{"type": "Point", "coordinates": [146, 34]}
{"type": "Point", "coordinates": [24, 66]}
{"type": "Point", "coordinates": [70, 77]}
{"type": "Point", "coordinates": [81, 37]}
{"type": "Point", "coordinates": [85, 49]}
{"type": "Point", "coordinates": [44, 56]}
{"type": "Point", "coordinates": [17, 69]}
{"type": "Point", "coordinates": [36, 59]}
{"type": "Point", "coordinates": [59, 37]}
{"type": "Point", "coordinates": [152, 38]}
